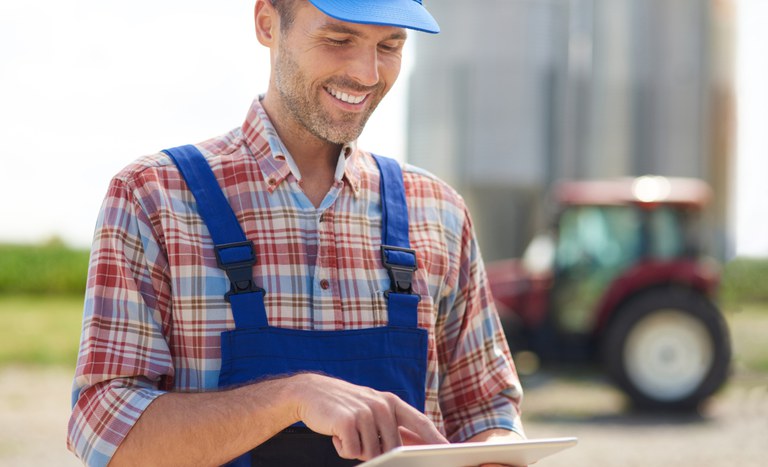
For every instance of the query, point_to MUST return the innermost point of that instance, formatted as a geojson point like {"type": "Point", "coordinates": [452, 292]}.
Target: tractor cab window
{"type": "Point", "coordinates": [598, 237]}
{"type": "Point", "coordinates": [594, 245]}
{"type": "Point", "coordinates": [673, 232]}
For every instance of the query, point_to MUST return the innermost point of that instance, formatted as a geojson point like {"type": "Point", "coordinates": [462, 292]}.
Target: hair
{"type": "Point", "coordinates": [287, 11]}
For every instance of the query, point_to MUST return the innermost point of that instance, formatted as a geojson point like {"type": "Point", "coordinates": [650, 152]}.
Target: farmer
{"type": "Point", "coordinates": [277, 295]}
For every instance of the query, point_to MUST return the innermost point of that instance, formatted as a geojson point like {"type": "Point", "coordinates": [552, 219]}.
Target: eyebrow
{"type": "Point", "coordinates": [342, 28]}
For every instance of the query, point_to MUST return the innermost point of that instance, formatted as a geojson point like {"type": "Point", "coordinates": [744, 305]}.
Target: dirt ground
{"type": "Point", "coordinates": [732, 430]}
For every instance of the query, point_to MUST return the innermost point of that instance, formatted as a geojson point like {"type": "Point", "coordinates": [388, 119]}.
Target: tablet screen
{"type": "Point", "coordinates": [471, 454]}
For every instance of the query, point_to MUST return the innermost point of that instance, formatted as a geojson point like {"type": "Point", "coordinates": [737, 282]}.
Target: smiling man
{"type": "Point", "coordinates": [277, 296]}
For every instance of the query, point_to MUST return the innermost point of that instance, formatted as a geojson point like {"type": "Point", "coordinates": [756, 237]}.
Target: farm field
{"type": "Point", "coordinates": [37, 363]}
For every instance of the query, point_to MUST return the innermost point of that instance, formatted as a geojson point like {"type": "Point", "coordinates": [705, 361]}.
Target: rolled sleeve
{"type": "Point", "coordinates": [124, 362]}
{"type": "Point", "coordinates": [480, 389]}
{"type": "Point", "coordinates": [103, 415]}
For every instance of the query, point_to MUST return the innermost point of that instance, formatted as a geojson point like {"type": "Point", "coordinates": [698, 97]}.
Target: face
{"type": "Point", "coordinates": [330, 75]}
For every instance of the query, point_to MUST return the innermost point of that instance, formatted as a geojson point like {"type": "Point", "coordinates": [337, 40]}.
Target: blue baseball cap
{"type": "Point", "coordinates": [409, 14]}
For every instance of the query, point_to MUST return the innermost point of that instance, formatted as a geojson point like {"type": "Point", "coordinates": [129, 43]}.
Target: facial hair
{"type": "Point", "coordinates": [303, 103]}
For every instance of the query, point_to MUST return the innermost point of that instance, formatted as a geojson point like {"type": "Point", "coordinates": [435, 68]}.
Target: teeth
{"type": "Point", "coordinates": [343, 96]}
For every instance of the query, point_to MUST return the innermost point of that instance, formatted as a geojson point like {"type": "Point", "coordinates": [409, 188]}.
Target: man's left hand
{"type": "Point", "coordinates": [497, 436]}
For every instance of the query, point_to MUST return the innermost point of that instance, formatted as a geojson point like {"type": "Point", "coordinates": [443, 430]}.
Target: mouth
{"type": "Point", "coordinates": [345, 97]}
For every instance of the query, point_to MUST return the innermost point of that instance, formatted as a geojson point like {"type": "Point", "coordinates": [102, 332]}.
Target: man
{"type": "Point", "coordinates": [216, 268]}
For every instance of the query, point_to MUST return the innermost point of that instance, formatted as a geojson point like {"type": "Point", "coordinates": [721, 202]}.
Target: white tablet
{"type": "Point", "coordinates": [471, 454]}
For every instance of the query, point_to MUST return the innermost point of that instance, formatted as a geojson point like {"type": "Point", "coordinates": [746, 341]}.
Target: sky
{"type": "Point", "coordinates": [88, 86]}
{"type": "Point", "coordinates": [751, 209]}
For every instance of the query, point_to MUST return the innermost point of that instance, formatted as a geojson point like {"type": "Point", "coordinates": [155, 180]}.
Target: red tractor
{"type": "Point", "coordinates": [620, 279]}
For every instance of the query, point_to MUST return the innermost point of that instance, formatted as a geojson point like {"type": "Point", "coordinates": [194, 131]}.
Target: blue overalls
{"type": "Point", "coordinates": [390, 358]}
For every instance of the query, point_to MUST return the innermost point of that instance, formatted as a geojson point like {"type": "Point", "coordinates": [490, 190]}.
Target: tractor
{"type": "Point", "coordinates": [620, 280]}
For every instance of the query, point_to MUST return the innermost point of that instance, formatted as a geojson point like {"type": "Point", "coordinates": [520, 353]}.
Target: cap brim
{"type": "Point", "coordinates": [408, 14]}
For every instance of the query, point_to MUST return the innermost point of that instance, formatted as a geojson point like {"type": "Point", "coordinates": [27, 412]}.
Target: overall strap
{"type": "Point", "coordinates": [234, 252]}
{"type": "Point", "coordinates": [396, 252]}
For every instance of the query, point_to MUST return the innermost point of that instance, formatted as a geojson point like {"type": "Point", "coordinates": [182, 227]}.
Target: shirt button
{"type": "Point", "coordinates": [272, 181]}
{"type": "Point", "coordinates": [324, 284]}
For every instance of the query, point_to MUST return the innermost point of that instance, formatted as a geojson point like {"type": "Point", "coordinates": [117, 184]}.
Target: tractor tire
{"type": "Point", "coordinates": [668, 349]}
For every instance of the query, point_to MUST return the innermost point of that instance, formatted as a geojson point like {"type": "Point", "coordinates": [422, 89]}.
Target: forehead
{"type": "Point", "coordinates": [312, 20]}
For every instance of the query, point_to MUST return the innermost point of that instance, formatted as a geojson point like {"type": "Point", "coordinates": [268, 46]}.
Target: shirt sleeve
{"type": "Point", "coordinates": [479, 389]}
{"type": "Point", "coordinates": [124, 361]}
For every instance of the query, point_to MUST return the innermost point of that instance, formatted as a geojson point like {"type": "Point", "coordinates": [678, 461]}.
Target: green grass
{"type": "Point", "coordinates": [40, 330]}
{"type": "Point", "coordinates": [49, 269]}
{"type": "Point", "coordinates": [745, 281]}
{"type": "Point", "coordinates": [41, 290]}
{"type": "Point", "coordinates": [45, 331]}
{"type": "Point", "coordinates": [749, 328]}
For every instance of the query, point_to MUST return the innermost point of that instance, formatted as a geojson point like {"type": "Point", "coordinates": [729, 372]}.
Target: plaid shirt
{"type": "Point", "coordinates": [155, 308]}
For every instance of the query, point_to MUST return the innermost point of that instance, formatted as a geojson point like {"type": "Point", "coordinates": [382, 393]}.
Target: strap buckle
{"type": "Point", "coordinates": [237, 260]}
{"type": "Point", "coordinates": [400, 264]}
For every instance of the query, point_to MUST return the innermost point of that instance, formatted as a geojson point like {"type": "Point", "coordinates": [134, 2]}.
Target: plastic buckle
{"type": "Point", "coordinates": [240, 273]}
{"type": "Point", "coordinates": [400, 275]}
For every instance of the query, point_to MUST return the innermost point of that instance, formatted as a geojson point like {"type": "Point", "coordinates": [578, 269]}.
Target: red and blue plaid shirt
{"type": "Point", "coordinates": [155, 307]}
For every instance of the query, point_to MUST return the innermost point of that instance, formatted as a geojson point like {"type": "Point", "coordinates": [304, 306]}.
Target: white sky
{"type": "Point", "coordinates": [88, 86]}
{"type": "Point", "coordinates": [751, 213]}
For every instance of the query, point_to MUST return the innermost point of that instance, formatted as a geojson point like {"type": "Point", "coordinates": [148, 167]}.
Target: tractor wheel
{"type": "Point", "coordinates": [668, 349]}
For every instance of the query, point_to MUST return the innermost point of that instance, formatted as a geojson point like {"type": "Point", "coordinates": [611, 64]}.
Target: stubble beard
{"type": "Point", "coordinates": [304, 106]}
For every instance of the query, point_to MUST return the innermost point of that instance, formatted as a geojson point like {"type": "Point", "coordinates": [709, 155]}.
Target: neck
{"type": "Point", "coordinates": [315, 157]}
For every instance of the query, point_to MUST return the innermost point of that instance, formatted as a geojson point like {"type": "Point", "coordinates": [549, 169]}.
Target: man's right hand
{"type": "Point", "coordinates": [213, 427]}
{"type": "Point", "coordinates": [362, 421]}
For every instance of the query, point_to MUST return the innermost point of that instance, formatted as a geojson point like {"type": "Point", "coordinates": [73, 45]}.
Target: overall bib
{"type": "Point", "coordinates": [391, 358]}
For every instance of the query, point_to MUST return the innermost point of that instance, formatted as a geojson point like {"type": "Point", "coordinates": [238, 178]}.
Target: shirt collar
{"type": "Point", "coordinates": [274, 160]}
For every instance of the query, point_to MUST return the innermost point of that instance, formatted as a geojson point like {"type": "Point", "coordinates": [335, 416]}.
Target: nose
{"type": "Point", "coordinates": [364, 67]}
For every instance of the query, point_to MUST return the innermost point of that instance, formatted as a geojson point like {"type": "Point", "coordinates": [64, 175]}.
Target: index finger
{"type": "Point", "coordinates": [418, 424]}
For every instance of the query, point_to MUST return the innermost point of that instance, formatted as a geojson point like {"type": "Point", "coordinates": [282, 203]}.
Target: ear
{"type": "Point", "coordinates": [267, 22]}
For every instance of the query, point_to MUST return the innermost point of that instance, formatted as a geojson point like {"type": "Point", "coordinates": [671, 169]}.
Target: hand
{"type": "Point", "coordinates": [497, 436]}
{"type": "Point", "coordinates": [362, 421]}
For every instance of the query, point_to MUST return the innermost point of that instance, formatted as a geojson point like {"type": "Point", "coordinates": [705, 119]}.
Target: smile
{"type": "Point", "coordinates": [345, 97]}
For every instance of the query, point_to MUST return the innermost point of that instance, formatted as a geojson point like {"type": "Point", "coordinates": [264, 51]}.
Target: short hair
{"type": "Point", "coordinates": [287, 11]}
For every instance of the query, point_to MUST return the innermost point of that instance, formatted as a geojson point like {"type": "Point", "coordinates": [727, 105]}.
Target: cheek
{"type": "Point", "coordinates": [322, 65]}
{"type": "Point", "coordinates": [389, 70]}
{"type": "Point", "coordinates": [307, 69]}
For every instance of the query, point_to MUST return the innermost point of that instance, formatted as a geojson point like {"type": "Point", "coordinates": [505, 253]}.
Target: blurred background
{"type": "Point", "coordinates": [510, 100]}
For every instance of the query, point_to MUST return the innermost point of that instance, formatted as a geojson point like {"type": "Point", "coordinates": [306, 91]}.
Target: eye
{"type": "Point", "coordinates": [390, 46]}
{"type": "Point", "coordinates": [337, 41]}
